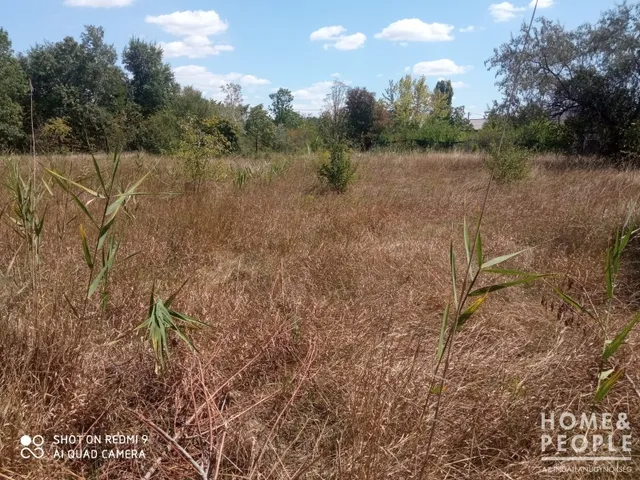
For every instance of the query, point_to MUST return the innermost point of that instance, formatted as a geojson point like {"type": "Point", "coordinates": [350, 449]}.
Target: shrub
{"type": "Point", "coordinates": [55, 136]}
{"type": "Point", "coordinates": [338, 171]}
{"type": "Point", "coordinates": [509, 163]}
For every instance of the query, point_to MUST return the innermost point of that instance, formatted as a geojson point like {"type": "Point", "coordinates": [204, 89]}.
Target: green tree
{"type": "Point", "coordinates": [360, 112]}
{"type": "Point", "coordinates": [151, 83]}
{"type": "Point", "coordinates": [443, 99]}
{"type": "Point", "coordinates": [55, 135]}
{"type": "Point", "coordinates": [233, 107]}
{"type": "Point", "coordinates": [588, 77]}
{"type": "Point", "coordinates": [260, 128]}
{"type": "Point", "coordinates": [333, 120]}
{"type": "Point", "coordinates": [282, 109]}
{"type": "Point", "coordinates": [190, 102]}
{"type": "Point", "coordinates": [408, 101]}
{"type": "Point", "coordinates": [79, 82]}
{"type": "Point", "coordinates": [13, 87]}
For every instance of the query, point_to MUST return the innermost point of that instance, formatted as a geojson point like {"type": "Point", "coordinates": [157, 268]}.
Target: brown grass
{"type": "Point", "coordinates": [324, 311]}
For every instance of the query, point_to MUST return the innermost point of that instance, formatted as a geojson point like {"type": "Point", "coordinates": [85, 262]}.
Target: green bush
{"type": "Point", "coordinates": [338, 172]}
{"type": "Point", "coordinates": [509, 163]}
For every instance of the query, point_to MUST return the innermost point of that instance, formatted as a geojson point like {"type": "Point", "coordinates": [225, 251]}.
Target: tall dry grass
{"type": "Point", "coordinates": [324, 314]}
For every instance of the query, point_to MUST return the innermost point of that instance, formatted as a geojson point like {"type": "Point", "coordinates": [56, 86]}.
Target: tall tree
{"type": "Point", "coordinates": [444, 88]}
{"type": "Point", "coordinates": [13, 87]}
{"type": "Point", "coordinates": [443, 99]}
{"type": "Point", "coordinates": [411, 101]}
{"type": "Point", "coordinates": [589, 76]}
{"type": "Point", "coordinates": [334, 115]}
{"type": "Point", "coordinates": [260, 128]}
{"type": "Point", "coordinates": [233, 103]}
{"type": "Point", "coordinates": [360, 109]}
{"type": "Point", "coordinates": [152, 84]}
{"type": "Point", "coordinates": [79, 82]}
{"type": "Point", "coordinates": [282, 108]}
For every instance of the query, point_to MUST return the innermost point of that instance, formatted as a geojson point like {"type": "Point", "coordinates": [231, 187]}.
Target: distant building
{"type": "Point", "coordinates": [478, 123]}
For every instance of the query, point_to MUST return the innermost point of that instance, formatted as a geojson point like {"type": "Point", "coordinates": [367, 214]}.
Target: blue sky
{"type": "Point", "coordinates": [304, 45]}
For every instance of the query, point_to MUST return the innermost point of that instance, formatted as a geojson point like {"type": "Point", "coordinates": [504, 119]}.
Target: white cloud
{"type": "Point", "coordinates": [541, 3]}
{"type": "Point", "coordinates": [469, 29]}
{"type": "Point", "coordinates": [209, 83]}
{"type": "Point", "coordinates": [379, 75]}
{"type": "Point", "coordinates": [98, 3]}
{"type": "Point", "coordinates": [193, 47]}
{"type": "Point", "coordinates": [195, 27]}
{"type": "Point", "coordinates": [349, 42]}
{"type": "Point", "coordinates": [190, 23]}
{"type": "Point", "coordinates": [505, 11]}
{"type": "Point", "coordinates": [328, 33]}
{"type": "Point", "coordinates": [310, 100]}
{"type": "Point", "coordinates": [336, 35]}
{"type": "Point", "coordinates": [415, 30]}
{"type": "Point", "coordinates": [443, 67]}
{"type": "Point", "coordinates": [459, 85]}
{"type": "Point", "coordinates": [335, 75]}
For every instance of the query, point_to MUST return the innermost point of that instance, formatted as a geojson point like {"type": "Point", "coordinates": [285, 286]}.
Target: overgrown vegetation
{"type": "Point", "coordinates": [323, 312]}
{"type": "Point", "coordinates": [325, 317]}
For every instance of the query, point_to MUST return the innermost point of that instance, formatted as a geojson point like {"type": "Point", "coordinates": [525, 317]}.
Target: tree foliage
{"type": "Point", "coordinates": [79, 82]}
{"type": "Point", "coordinates": [282, 109]}
{"type": "Point", "coordinates": [13, 88]}
{"type": "Point", "coordinates": [151, 84]}
{"type": "Point", "coordinates": [260, 128]}
{"type": "Point", "coordinates": [360, 112]}
{"type": "Point", "coordinates": [588, 78]}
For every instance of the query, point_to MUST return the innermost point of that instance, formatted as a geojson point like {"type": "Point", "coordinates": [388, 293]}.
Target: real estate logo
{"type": "Point", "coordinates": [587, 437]}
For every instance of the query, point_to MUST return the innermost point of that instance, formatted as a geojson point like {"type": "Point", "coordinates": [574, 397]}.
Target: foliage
{"type": "Point", "coordinates": [337, 171]}
{"type": "Point", "coordinates": [233, 108]}
{"type": "Point", "coordinates": [162, 320]}
{"type": "Point", "coordinates": [583, 77]}
{"type": "Point", "coordinates": [80, 82]}
{"type": "Point", "coordinates": [443, 99]}
{"type": "Point", "coordinates": [13, 87]}
{"type": "Point", "coordinates": [203, 139]}
{"type": "Point", "coordinates": [26, 216]}
{"type": "Point", "coordinates": [333, 120]}
{"type": "Point", "coordinates": [242, 175]}
{"type": "Point", "coordinates": [260, 129]}
{"type": "Point", "coordinates": [282, 109]}
{"type": "Point", "coordinates": [151, 84]}
{"type": "Point", "coordinates": [439, 133]}
{"type": "Point", "coordinates": [360, 112]}
{"type": "Point", "coordinates": [466, 302]}
{"type": "Point", "coordinates": [508, 163]}
{"type": "Point", "coordinates": [409, 102]}
{"type": "Point", "coordinates": [608, 375]}
{"type": "Point", "coordinates": [55, 136]}
{"type": "Point", "coordinates": [101, 257]}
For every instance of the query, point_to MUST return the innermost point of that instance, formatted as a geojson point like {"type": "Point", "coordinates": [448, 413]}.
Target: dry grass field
{"type": "Point", "coordinates": [324, 312]}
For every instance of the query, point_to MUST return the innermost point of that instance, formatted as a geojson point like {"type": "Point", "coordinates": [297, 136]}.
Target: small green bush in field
{"type": "Point", "coordinates": [338, 171]}
{"type": "Point", "coordinates": [509, 163]}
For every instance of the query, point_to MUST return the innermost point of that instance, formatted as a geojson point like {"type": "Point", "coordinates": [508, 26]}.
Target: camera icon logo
{"type": "Point", "coordinates": [26, 441]}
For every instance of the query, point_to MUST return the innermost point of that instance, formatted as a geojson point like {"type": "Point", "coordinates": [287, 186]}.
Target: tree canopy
{"type": "Point", "coordinates": [588, 78]}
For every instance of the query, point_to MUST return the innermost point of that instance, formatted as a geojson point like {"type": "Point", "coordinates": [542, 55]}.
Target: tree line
{"type": "Point", "coordinates": [74, 95]}
{"type": "Point", "coordinates": [578, 91]}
